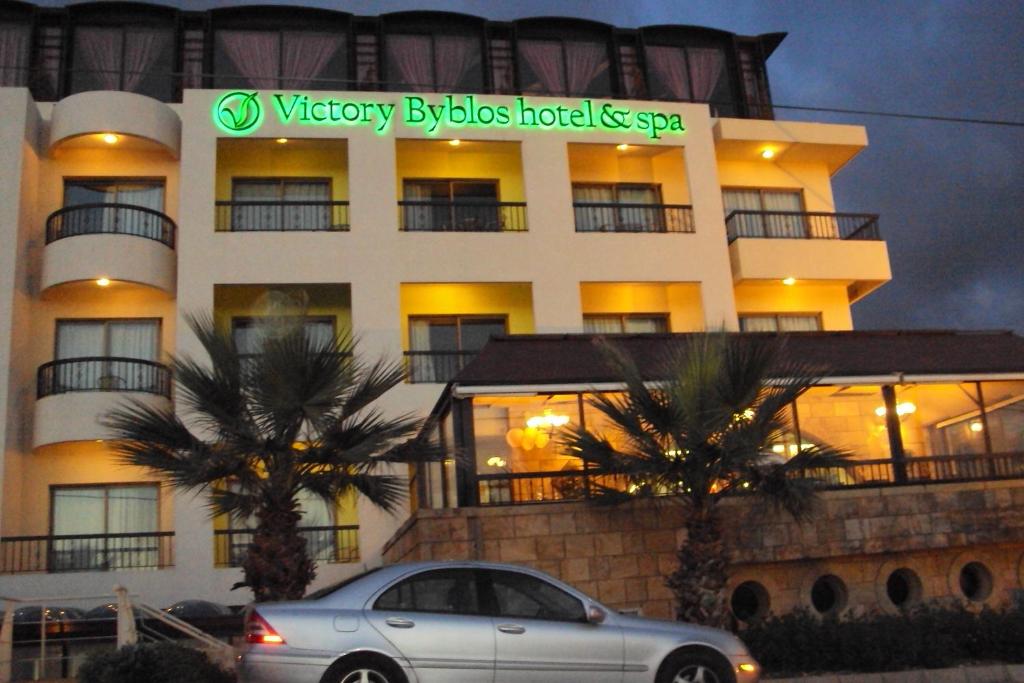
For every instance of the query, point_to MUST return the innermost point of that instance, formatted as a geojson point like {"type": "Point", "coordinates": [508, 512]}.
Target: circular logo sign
{"type": "Point", "coordinates": [238, 112]}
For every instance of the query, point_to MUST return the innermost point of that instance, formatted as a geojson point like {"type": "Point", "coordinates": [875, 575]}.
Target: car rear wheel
{"type": "Point", "coordinates": [696, 667]}
{"type": "Point", "coordinates": [364, 676]}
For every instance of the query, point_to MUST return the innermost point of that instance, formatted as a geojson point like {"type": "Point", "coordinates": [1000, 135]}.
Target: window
{"type": "Point", "coordinates": [444, 591]}
{"type": "Point", "coordinates": [94, 213]}
{"type": "Point", "coordinates": [521, 596]}
{"type": "Point", "coordinates": [625, 323]}
{"type": "Point", "coordinates": [442, 205]}
{"type": "Point", "coordinates": [780, 322]}
{"type": "Point", "coordinates": [564, 67]}
{"type": "Point", "coordinates": [250, 333]}
{"type": "Point", "coordinates": [281, 204]}
{"type": "Point", "coordinates": [100, 346]}
{"type": "Point", "coordinates": [434, 63]}
{"type": "Point", "coordinates": [618, 207]}
{"type": "Point", "coordinates": [138, 59]}
{"type": "Point", "coordinates": [765, 213]}
{"type": "Point", "coordinates": [289, 60]}
{"type": "Point", "coordinates": [631, 75]}
{"type": "Point", "coordinates": [440, 346]}
{"type": "Point", "coordinates": [104, 510]}
{"type": "Point", "coordinates": [15, 38]}
{"type": "Point", "coordinates": [691, 74]}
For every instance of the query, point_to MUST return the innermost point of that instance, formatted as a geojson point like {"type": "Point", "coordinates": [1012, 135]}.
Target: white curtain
{"type": "Point", "coordinates": [645, 324]}
{"type": "Point", "coordinates": [602, 324]}
{"type": "Point", "coordinates": [14, 45]}
{"type": "Point", "coordinates": [79, 511]}
{"type": "Point", "coordinates": [758, 323]}
{"type": "Point", "coordinates": [142, 48]}
{"type": "Point", "coordinates": [799, 323]}
{"type": "Point", "coordinates": [148, 197]}
{"type": "Point", "coordinates": [668, 68]}
{"type": "Point", "coordinates": [319, 333]}
{"type": "Point", "coordinates": [784, 225]}
{"type": "Point", "coordinates": [255, 55]}
{"type": "Point", "coordinates": [408, 60]}
{"type": "Point", "coordinates": [315, 216]}
{"type": "Point", "coordinates": [744, 225]}
{"type": "Point", "coordinates": [594, 218]}
{"type": "Point", "coordinates": [545, 59]}
{"type": "Point", "coordinates": [80, 340]}
{"type": "Point", "coordinates": [134, 339]}
{"type": "Point", "coordinates": [305, 57]}
{"type": "Point", "coordinates": [706, 65]}
{"type": "Point", "coordinates": [584, 62]}
{"type": "Point", "coordinates": [265, 215]}
{"type": "Point", "coordinates": [132, 509]}
{"type": "Point", "coordinates": [453, 57]}
{"type": "Point", "coordinates": [100, 52]}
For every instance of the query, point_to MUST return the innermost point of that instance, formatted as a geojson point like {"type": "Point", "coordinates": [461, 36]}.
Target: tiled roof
{"type": "Point", "coordinates": [577, 358]}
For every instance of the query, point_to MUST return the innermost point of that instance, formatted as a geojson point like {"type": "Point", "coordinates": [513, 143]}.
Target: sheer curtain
{"type": "Point", "coordinates": [79, 339]}
{"type": "Point", "coordinates": [14, 45]}
{"type": "Point", "coordinates": [265, 214]}
{"type": "Point", "coordinates": [142, 48]}
{"type": "Point", "coordinates": [594, 218]}
{"type": "Point", "coordinates": [799, 323]}
{"type": "Point", "coordinates": [315, 214]}
{"type": "Point", "coordinates": [744, 225]}
{"type": "Point", "coordinates": [256, 55]}
{"type": "Point", "coordinates": [408, 59]}
{"type": "Point", "coordinates": [640, 217]}
{"type": "Point", "coordinates": [148, 197]}
{"type": "Point", "coordinates": [706, 65]}
{"type": "Point", "coordinates": [645, 324]}
{"type": "Point", "coordinates": [544, 57]}
{"type": "Point", "coordinates": [132, 510]}
{"type": "Point", "coordinates": [453, 57]}
{"type": "Point", "coordinates": [602, 324]}
{"type": "Point", "coordinates": [100, 53]}
{"type": "Point", "coordinates": [758, 323]}
{"type": "Point", "coordinates": [784, 225]}
{"type": "Point", "coordinates": [134, 339]}
{"type": "Point", "coordinates": [305, 57]}
{"type": "Point", "coordinates": [584, 62]}
{"type": "Point", "coordinates": [668, 68]}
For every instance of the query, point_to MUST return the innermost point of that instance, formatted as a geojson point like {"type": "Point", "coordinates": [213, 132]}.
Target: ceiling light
{"type": "Point", "coordinates": [103, 281]}
{"type": "Point", "coordinates": [789, 281]}
{"type": "Point", "coordinates": [281, 141]}
{"type": "Point", "coordinates": [110, 138]}
{"type": "Point", "coordinates": [622, 148]}
{"type": "Point", "coordinates": [767, 153]}
{"type": "Point", "coordinates": [977, 426]}
{"type": "Point", "coordinates": [455, 143]}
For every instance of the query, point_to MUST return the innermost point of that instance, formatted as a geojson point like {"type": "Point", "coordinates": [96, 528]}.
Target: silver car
{"type": "Point", "coordinates": [475, 622]}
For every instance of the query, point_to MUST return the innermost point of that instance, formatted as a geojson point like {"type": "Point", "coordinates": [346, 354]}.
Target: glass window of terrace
{"type": "Point", "coordinates": [15, 40]}
{"type": "Point", "coordinates": [433, 52]}
{"type": "Point", "coordinates": [277, 48]}
{"type": "Point", "coordinates": [685, 67]}
{"type": "Point", "coordinates": [131, 50]}
{"type": "Point", "coordinates": [568, 58]}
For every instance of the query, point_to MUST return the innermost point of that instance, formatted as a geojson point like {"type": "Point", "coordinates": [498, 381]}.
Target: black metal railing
{"type": "Point", "coordinates": [86, 552]}
{"type": "Point", "coordinates": [103, 373]}
{"type": "Point", "coordinates": [282, 216]}
{"type": "Point", "coordinates": [110, 219]}
{"type": "Point", "coordinates": [323, 543]}
{"type": "Point", "coordinates": [802, 225]}
{"type": "Point", "coordinates": [462, 216]}
{"type": "Point", "coordinates": [518, 488]}
{"type": "Point", "coordinates": [614, 217]}
{"type": "Point", "coordinates": [435, 366]}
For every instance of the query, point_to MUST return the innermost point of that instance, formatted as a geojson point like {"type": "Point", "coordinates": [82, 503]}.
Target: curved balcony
{"type": "Point", "coordinates": [146, 124]}
{"type": "Point", "coordinates": [75, 394]}
{"type": "Point", "coordinates": [121, 242]}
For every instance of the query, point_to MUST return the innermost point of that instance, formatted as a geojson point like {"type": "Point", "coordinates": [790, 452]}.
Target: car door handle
{"type": "Point", "coordinates": [511, 628]}
{"type": "Point", "coordinates": [399, 622]}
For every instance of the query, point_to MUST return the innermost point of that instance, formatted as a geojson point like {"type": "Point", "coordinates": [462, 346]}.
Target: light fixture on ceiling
{"type": "Point", "coordinates": [902, 409]}
{"type": "Point", "coordinates": [109, 138]}
{"type": "Point", "coordinates": [789, 281]}
{"type": "Point", "coordinates": [282, 141]}
{"type": "Point", "coordinates": [977, 426]}
{"type": "Point", "coordinates": [455, 143]}
{"type": "Point", "coordinates": [622, 147]}
{"type": "Point", "coordinates": [767, 153]}
{"type": "Point", "coordinates": [103, 281]}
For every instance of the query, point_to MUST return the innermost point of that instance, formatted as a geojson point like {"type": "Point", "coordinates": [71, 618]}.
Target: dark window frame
{"type": "Point", "coordinates": [476, 578]}
{"type": "Point", "coordinates": [457, 318]}
{"type": "Point", "coordinates": [106, 487]}
{"type": "Point", "coordinates": [762, 191]}
{"type": "Point", "coordinates": [253, 320]}
{"type": "Point", "coordinates": [282, 182]}
{"type": "Point", "coordinates": [152, 181]}
{"type": "Point", "coordinates": [106, 322]}
{"type": "Point", "coordinates": [816, 315]}
{"type": "Point", "coordinates": [492, 598]}
{"type": "Point", "coordinates": [664, 318]}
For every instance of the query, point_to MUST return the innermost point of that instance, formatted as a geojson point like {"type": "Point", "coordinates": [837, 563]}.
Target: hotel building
{"type": "Point", "coordinates": [428, 181]}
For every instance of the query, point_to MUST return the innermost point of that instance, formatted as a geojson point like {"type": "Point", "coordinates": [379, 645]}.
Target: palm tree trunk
{"type": "Point", "coordinates": [699, 582]}
{"type": "Point", "coordinates": [277, 566]}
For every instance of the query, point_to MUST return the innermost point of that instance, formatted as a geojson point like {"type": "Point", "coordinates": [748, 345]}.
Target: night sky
{"type": "Point", "coordinates": [950, 195]}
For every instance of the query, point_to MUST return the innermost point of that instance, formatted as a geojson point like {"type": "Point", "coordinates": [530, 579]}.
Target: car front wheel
{"type": "Point", "coordinates": [696, 667]}
{"type": "Point", "coordinates": [364, 670]}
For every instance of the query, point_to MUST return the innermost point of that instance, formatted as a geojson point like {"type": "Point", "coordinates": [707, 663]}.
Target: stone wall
{"type": "Point", "coordinates": [620, 555]}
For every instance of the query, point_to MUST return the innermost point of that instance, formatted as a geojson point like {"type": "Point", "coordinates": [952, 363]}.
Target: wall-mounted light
{"type": "Point", "coordinates": [496, 461]}
{"type": "Point", "coordinates": [622, 147]}
{"type": "Point", "coordinates": [109, 138]}
{"type": "Point", "coordinates": [789, 281]}
{"type": "Point", "coordinates": [103, 281]}
{"type": "Point", "coordinates": [767, 153]}
{"type": "Point", "coordinates": [455, 143]}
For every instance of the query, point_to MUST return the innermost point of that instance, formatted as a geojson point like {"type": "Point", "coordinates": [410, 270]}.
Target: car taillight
{"type": "Point", "coordinates": [258, 631]}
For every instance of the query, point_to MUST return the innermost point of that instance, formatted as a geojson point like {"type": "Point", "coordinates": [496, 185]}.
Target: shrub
{"type": "Point", "coordinates": [152, 663]}
{"type": "Point", "coordinates": [926, 637]}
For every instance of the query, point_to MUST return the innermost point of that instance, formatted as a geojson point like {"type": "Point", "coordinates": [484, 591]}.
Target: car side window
{"type": "Point", "coordinates": [527, 597]}
{"type": "Point", "coordinates": [444, 591]}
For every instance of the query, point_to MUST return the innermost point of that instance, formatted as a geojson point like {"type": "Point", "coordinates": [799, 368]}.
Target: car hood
{"type": "Point", "coordinates": [685, 632]}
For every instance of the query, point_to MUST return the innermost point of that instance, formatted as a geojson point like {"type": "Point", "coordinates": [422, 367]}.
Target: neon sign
{"type": "Point", "coordinates": [243, 112]}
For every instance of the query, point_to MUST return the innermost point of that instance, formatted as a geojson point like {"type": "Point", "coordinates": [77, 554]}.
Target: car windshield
{"type": "Point", "coordinates": [335, 587]}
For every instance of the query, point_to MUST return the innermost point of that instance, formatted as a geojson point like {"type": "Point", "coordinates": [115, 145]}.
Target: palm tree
{"type": "Point", "coordinates": [295, 417]}
{"type": "Point", "coordinates": [702, 432]}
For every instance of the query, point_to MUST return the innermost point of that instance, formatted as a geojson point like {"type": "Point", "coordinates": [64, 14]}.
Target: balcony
{"type": "Point", "coordinates": [333, 544]}
{"type": "Point", "coordinates": [74, 394]}
{"type": "Point", "coordinates": [613, 217]}
{"type": "Point", "coordinates": [462, 216]}
{"type": "Point", "coordinates": [119, 242]}
{"type": "Point", "coordinates": [86, 552]}
{"type": "Point", "coordinates": [435, 366]}
{"type": "Point", "coordinates": [282, 216]}
{"type": "Point", "coordinates": [841, 249]}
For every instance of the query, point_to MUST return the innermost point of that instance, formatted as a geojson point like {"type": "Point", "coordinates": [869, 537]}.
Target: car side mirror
{"type": "Point", "coordinates": [595, 615]}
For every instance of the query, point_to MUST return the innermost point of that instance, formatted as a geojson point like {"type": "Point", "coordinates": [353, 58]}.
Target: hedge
{"type": "Point", "coordinates": [152, 663]}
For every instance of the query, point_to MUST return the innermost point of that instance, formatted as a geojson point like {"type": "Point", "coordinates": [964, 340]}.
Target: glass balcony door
{"type": "Point", "coordinates": [766, 213]}
{"type": "Point", "coordinates": [440, 346]}
{"type": "Point", "coordinates": [281, 204]}
{"type": "Point", "coordinates": [443, 205]}
{"type": "Point", "coordinates": [96, 215]}
{"type": "Point", "coordinates": [104, 527]}
{"type": "Point", "coordinates": [99, 343]}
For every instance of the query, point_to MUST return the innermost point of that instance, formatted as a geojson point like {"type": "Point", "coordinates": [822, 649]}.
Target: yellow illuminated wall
{"type": "Point", "coordinates": [499, 161]}
{"type": "Point", "coordinates": [514, 300]}
{"type": "Point", "coordinates": [240, 301]}
{"type": "Point", "coordinates": [829, 300]}
{"type": "Point", "coordinates": [810, 178]}
{"type": "Point", "coordinates": [681, 300]}
{"type": "Point", "coordinates": [298, 158]}
{"type": "Point", "coordinates": [663, 166]}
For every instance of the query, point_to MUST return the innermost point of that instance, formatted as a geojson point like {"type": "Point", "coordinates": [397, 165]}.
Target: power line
{"type": "Point", "coordinates": [898, 115]}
